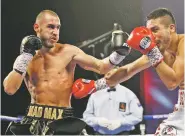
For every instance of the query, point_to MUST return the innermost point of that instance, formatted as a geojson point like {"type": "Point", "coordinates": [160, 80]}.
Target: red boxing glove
{"type": "Point", "coordinates": [83, 87]}
{"type": "Point", "coordinates": [142, 39]}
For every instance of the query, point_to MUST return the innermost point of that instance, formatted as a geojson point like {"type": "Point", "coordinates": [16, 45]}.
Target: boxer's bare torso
{"type": "Point", "coordinates": [50, 76]}
{"type": "Point", "coordinates": [171, 54]}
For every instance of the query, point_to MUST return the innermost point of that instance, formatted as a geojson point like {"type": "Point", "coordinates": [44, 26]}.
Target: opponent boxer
{"type": "Point", "coordinates": [47, 68]}
{"type": "Point", "coordinates": [163, 49]}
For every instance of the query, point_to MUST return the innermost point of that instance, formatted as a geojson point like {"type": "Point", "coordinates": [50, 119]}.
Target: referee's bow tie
{"type": "Point", "coordinates": [111, 89]}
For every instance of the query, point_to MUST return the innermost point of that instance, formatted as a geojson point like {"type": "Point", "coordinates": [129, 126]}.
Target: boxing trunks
{"type": "Point", "coordinates": [174, 124]}
{"type": "Point", "coordinates": [47, 120]}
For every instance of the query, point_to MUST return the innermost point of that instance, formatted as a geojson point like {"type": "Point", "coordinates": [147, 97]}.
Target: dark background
{"type": "Point", "coordinates": [81, 20]}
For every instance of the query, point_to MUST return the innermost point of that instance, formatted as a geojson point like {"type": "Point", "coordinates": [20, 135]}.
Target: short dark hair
{"type": "Point", "coordinates": [161, 12]}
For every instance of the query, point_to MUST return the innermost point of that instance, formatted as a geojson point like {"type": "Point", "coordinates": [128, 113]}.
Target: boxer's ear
{"type": "Point", "coordinates": [172, 28]}
{"type": "Point", "coordinates": [36, 28]}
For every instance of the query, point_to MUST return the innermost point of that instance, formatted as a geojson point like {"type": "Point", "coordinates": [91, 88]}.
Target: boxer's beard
{"type": "Point", "coordinates": [47, 44]}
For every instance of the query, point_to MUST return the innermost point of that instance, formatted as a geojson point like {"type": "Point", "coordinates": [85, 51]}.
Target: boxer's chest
{"type": "Point", "coordinates": [49, 62]}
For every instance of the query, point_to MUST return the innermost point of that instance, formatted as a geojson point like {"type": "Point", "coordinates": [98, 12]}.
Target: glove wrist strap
{"type": "Point", "coordinates": [115, 58]}
{"type": "Point", "coordinates": [100, 84]}
{"type": "Point", "coordinates": [155, 56]}
{"type": "Point", "coordinates": [21, 62]}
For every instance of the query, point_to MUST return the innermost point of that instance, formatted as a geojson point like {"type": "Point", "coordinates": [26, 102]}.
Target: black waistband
{"type": "Point", "coordinates": [48, 112]}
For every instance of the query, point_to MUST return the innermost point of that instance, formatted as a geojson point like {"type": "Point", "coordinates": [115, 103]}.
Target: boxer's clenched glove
{"type": "Point", "coordinates": [83, 87]}
{"type": "Point", "coordinates": [119, 46]}
{"type": "Point", "coordinates": [28, 47]}
{"type": "Point", "coordinates": [29, 44]}
{"type": "Point", "coordinates": [142, 39]}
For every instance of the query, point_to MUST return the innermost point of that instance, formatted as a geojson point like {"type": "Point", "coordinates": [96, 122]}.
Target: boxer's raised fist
{"type": "Point", "coordinates": [28, 48]}
{"type": "Point", "coordinates": [30, 43]}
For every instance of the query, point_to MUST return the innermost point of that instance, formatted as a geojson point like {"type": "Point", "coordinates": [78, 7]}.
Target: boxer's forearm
{"type": "Point", "coordinates": [114, 59]}
{"type": "Point", "coordinates": [135, 67]}
{"type": "Point", "coordinates": [105, 66]}
{"type": "Point", "coordinates": [124, 73]}
{"type": "Point", "coordinates": [12, 82]}
{"type": "Point", "coordinates": [93, 64]}
{"type": "Point", "coordinates": [28, 48]}
{"type": "Point", "coordinates": [120, 75]}
{"type": "Point", "coordinates": [168, 76]}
